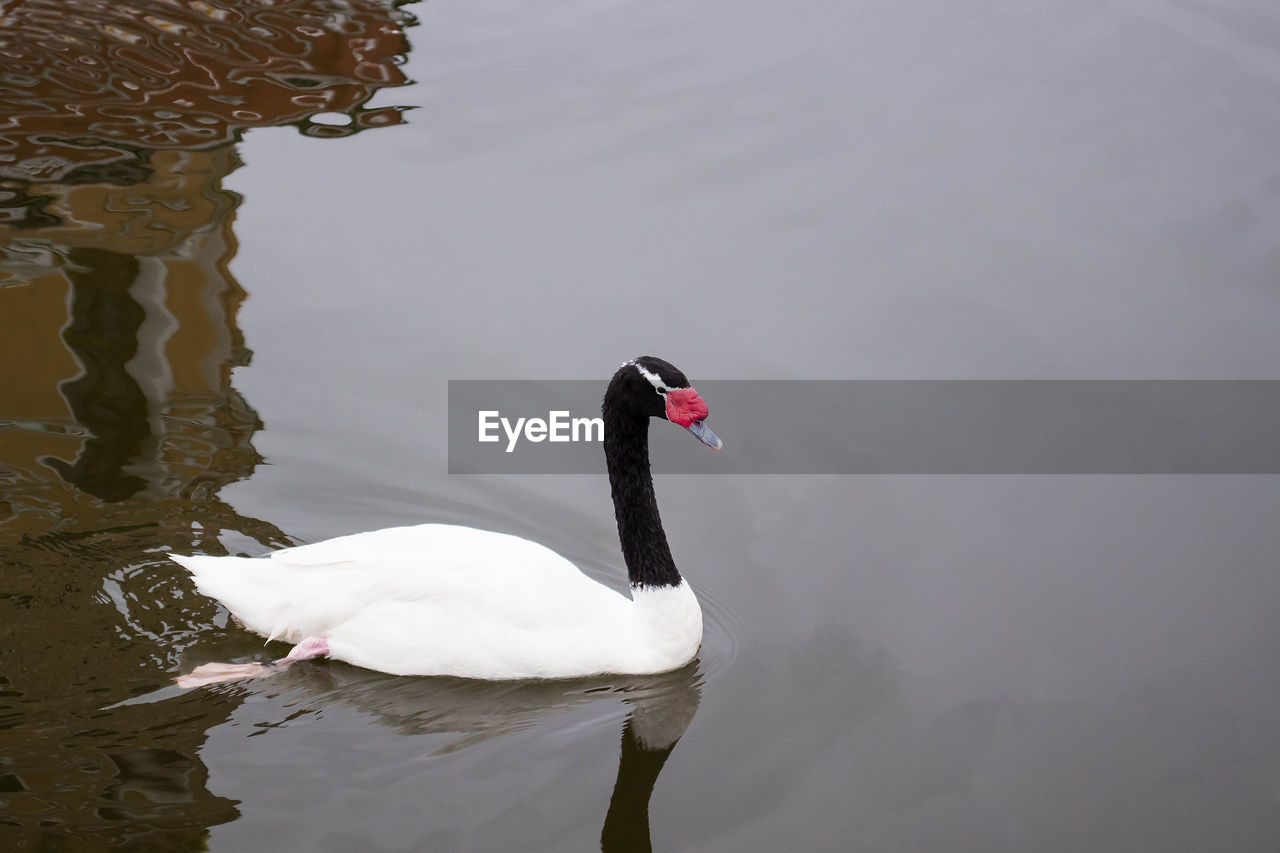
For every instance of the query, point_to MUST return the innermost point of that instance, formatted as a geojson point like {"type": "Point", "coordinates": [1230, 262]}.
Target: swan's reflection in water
{"type": "Point", "coordinates": [648, 736]}
{"type": "Point", "coordinates": [447, 715]}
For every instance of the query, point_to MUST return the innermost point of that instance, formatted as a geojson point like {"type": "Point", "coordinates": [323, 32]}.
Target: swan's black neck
{"type": "Point", "coordinates": [644, 543]}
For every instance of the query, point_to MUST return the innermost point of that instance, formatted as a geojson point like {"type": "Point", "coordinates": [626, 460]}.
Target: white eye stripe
{"type": "Point", "coordinates": [654, 379]}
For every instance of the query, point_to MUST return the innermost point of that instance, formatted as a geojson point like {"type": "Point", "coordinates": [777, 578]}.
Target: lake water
{"type": "Point", "coordinates": [245, 246]}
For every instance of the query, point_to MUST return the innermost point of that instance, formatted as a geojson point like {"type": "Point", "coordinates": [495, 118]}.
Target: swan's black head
{"type": "Point", "coordinates": [648, 387]}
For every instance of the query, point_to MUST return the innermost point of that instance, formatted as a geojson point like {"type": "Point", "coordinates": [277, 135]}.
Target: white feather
{"type": "Point", "coordinates": [439, 599]}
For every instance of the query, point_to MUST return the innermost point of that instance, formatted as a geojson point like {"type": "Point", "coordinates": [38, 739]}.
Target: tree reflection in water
{"type": "Point", "coordinates": [119, 424]}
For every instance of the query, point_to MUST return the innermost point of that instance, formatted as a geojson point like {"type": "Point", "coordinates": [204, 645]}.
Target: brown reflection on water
{"type": "Point", "coordinates": [117, 365]}
{"type": "Point", "coordinates": [88, 82]}
{"type": "Point", "coordinates": [119, 422]}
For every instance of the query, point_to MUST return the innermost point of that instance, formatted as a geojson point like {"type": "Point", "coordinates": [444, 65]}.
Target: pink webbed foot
{"type": "Point", "coordinates": [216, 673]}
{"type": "Point", "coordinates": [311, 647]}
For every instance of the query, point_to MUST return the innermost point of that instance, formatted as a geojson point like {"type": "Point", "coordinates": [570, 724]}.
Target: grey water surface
{"type": "Point", "coordinates": [244, 248]}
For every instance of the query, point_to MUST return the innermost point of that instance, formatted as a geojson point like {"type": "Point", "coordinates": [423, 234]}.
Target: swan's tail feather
{"type": "Point", "coordinates": [186, 562]}
{"type": "Point", "coordinates": [256, 597]}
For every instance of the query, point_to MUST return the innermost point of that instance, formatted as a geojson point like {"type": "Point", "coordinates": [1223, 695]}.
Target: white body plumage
{"type": "Point", "coordinates": [438, 599]}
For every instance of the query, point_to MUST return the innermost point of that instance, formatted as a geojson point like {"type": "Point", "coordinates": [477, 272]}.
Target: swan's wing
{"type": "Point", "coordinates": [359, 547]}
{"type": "Point", "coordinates": [423, 547]}
{"type": "Point", "coordinates": [460, 581]}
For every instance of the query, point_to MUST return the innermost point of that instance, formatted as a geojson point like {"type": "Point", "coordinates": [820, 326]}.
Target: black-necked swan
{"type": "Point", "coordinates": [439, 599]}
